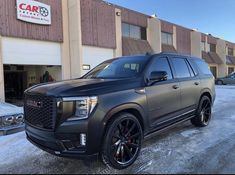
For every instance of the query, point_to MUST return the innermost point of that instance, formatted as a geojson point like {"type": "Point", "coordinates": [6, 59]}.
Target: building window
{"type": "Point", "coordinates": [203, 46]}
{"type": "Point", "coordinates": [132, 31]}
{"type": "Point", "coordinates": [212, 48]}
{"type": "Point", "coordinates": [230, 52]}
{"type": "Point", "coordinates": [230, 70]}
{"type": "Point", "coordinates": [167, 38]}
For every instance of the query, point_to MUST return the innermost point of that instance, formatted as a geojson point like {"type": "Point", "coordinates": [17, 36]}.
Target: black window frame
{"type": "Point", "coordinates": [230, 51]}
{"type": "Point", "coordinates": [213, 48]}
{"type": "Point", "coordinates": [142, 31]}
{"type": "Point", "coordinates": [167, 35]}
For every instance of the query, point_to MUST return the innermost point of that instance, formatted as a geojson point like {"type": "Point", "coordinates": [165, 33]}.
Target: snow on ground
{"type": "Point", "coordinates": [182, 149]}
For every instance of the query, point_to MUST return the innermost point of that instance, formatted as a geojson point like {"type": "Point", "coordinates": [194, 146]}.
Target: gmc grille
{"type": "Point", "coordinates": [40, 111]}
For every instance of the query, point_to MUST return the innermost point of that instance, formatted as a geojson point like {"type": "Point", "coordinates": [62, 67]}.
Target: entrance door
{"type": "Point", "coordinates": [230, 70]}
{"type": "Point", "coordinates": [15, 84]}
{"type": "Point", "coordinates": [214, 71]}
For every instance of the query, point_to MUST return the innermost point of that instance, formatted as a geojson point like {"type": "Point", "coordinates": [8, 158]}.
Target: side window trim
{"type": "Point", "coordinates": [190, 68]}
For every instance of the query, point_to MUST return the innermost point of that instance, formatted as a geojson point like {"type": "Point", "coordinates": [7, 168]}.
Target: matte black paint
{"type": "Point", "coordinates": [157, 106]}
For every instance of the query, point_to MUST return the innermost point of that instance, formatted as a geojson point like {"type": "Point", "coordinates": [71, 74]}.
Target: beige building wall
{"type": "Point", "coordinates": [2, 92]}
{"type": "Point", "coordinates": [221, 51]}
{"type": "Point", "coordinates": [65, 49]}
{"type": "Point", "coordinates": [118, 21]}
{"type": "Point", "coordinates": [75, 36]}
{"type": "Point", "coordinates": [196, 44]}
{"type": "Point", "coordinates": [154, 34]}
{"type": "Point", "coordinates": [174, 37]}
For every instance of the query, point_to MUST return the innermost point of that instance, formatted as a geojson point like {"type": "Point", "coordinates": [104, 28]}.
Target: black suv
{"type": "Point", "coordinates": [112, 108]}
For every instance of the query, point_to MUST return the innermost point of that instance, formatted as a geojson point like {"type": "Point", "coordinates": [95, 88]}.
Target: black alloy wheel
{"type": "Point", "coordinates": [204, 113]}
{"type": "Point", "coordinates": [123, 141]}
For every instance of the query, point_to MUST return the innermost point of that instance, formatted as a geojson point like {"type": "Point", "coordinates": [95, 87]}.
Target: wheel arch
{"type": "Point", "coordinates": [131, 108]}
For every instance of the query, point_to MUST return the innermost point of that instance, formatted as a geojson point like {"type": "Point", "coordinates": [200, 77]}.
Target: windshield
{"type": "Point", "coordinates": [125, 67]}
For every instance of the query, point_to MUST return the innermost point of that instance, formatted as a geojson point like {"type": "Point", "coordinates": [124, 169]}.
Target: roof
{"type": "Point", "coordinates": [133, 46]}
{"type": "Point", "coordinates": [211, 57]}
{"type": "Point", "coordinates": [168, 48]}
{"type": "Point", "coordinates": [230, 60]}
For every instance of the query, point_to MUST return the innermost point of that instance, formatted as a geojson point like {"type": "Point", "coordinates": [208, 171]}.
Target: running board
{"type": "Point", "coordinates": [157, 131]}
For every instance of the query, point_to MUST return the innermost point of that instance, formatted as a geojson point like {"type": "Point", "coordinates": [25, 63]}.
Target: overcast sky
{"type": "Point", "coordinates": [216, 17]}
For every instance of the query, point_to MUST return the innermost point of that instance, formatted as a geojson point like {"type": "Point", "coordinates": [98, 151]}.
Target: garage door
{"type": "Point", "coordinates": [30, 52]}
{"type": "Point", "coordinates": [93, 56]}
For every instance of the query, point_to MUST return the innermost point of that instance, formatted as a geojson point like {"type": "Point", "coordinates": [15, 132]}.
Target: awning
{"type": "Point", "coordinates": [211, 58]}
{"type": "Point", "coordinates": [168, 48]}
{"type": "Point", "coordinates": [216, 58]}
{"type": "Point", "coordinates": [134, 46]}
{"type": "Point", "coordinates": [230, 60]}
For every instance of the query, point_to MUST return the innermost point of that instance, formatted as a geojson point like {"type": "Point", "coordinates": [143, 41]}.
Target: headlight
{"type": "Point", "coordinates": [19, 119]}
{"type": "Point", "coordinates": [8, 120]}
{"type": "Point", "coordinates": [83, 106]}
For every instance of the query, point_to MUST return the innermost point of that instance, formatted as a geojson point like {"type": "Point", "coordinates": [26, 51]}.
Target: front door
{"type": "Point", "coordinates": [163, 97]}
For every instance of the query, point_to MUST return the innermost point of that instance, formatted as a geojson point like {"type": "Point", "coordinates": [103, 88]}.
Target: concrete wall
{"type": "Point", "coordinates": [221, 51]}
{"type": "Point", "coordinates": [2, 93]}
{"type": "Point", "coordinates": [65, 48]}
{"type": "Point", "coordinates": [75, 38]}
{"type": "Point", "coordinates": [174, 37]}
{"type": "Point", "coordinates": [196, 44]}
{"type": "Point", "coordinates": [118, 24]}
{"type": "Point", "coordinates": [154, 34]}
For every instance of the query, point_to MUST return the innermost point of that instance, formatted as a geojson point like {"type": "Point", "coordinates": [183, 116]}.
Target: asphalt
{"type": "Point", "coordinates": [182, 149]}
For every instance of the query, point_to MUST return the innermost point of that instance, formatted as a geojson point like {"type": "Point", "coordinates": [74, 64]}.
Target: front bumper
{"type": "Point", "coordinates": [11, 130]}
{"type": "Point", "coordinates": [65, 141]}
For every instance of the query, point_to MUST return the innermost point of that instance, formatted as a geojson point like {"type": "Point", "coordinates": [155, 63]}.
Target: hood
{"type": "Point", "coordinates": [7, 109]}
{"type": "Point", "coordinates": [84, 87]}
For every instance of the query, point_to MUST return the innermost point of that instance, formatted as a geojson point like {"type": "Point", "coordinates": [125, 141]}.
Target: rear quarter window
{"type": "Point", "coordinates": [203, 67]}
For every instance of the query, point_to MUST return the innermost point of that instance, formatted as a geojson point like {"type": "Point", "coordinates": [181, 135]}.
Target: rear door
{"type": "Point", "coordinates": [163, 97]}
{"type": "Point", "coordinates": [189, 83]}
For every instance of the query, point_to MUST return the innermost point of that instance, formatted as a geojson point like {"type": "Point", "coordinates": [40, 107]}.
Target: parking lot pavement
{"type": "Point", "coordinates": [183, 149]}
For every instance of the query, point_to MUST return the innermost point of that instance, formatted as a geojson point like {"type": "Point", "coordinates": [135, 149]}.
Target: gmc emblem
{"type": "Point", "coordinates": [36, 104]}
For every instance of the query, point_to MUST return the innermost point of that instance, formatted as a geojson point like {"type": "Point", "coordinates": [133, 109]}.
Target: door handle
{"type": "Point", "coordinates": [196, 83]}
{"type": "Point", "coordinates": [176, 87]}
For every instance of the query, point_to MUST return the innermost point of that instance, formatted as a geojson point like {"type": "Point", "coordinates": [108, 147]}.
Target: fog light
{"type": "Point", "coordinates": [19, 119]}
{"type": "Point", "coordinates": [83, 139]}
{"type": "Point", "coordinates": [8, 121]}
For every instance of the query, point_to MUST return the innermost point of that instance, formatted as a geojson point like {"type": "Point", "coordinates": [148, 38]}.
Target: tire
{"type": "Point", "coordinates": [122, 141]}
{"type": "Point", "coordinates": [220, 82]}
{"type": "Point", "coordinates": [204, 113]}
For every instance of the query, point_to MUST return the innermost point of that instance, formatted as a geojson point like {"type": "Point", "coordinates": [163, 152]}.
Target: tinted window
{"type": "Point", "coordinates": [212, 48]}
{"type": "Point", "coordinates": [203, 67]}
{"type": "Point", "coordinates": [161, 64]}
{"type": "Point", "coordinates": [230, 51]}
{"type": "Point", "coordinates": [203, 46]}
{"type": "Point", "coordinates": [181, 68]}
{"type": "Point", "coordinates": [133, 31]}
{"type": "Point", "coordinates": [125, 30]}
{"type": "Point", "coordinates": [126, 67]}
{"type": "Point", "coordinates": [167, 38]}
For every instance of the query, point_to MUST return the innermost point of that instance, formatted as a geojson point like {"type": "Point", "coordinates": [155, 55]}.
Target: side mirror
{"type": "Point", "coordinates": [158, 76]}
